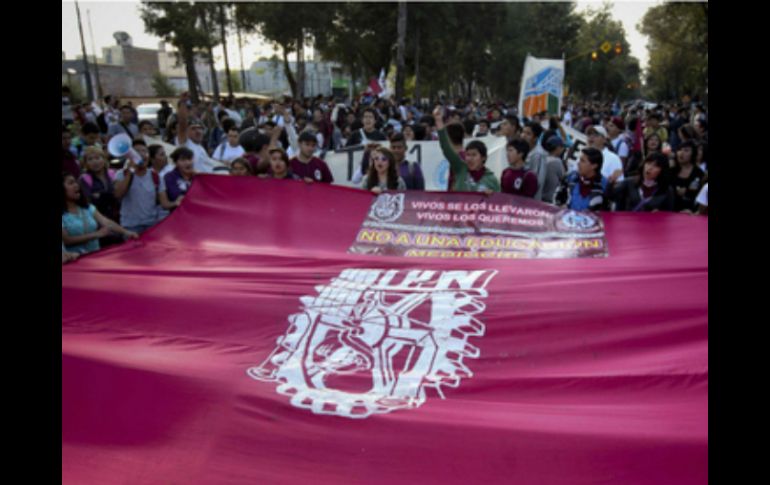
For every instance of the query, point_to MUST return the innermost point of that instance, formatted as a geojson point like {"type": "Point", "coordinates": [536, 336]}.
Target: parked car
{"type": "Point", "coordinates": [149, 112]}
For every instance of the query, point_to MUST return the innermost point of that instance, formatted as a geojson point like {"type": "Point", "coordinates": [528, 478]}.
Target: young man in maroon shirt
{"type": "Point", "coordinates": [306, 166]}
{"type": "Point", "coordinates": [515, 179]}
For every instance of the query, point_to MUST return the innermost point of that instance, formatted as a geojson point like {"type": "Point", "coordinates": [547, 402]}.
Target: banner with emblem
{"type": "Point", "coordinates": [500, 226]}
{"type": "Point", "coordinates": [541, 86]}
{"type": "Point", "coordinates": [239, 341]}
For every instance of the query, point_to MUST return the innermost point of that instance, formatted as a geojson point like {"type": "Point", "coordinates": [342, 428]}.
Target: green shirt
{"type": "Point", "coordinates": [463, 181]}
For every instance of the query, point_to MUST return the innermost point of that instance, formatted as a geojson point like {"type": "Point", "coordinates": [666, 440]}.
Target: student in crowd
{"type": "Point", "coordinates": [383, 174]}
{"type": "Point", "coordinates": [537, 157]}
{"type": "Point", "coordinates": [585, 188]}
{"type": "Point", "coordinates": [125, 125]}
{"type": "Point", "coordinates": [240, 167]}
{"type": "Point", "coordinates": [308, 167]}
{"type": "Point", "coordinates": [69, 162]}
{"type": "Point", "coordinates": [175, 184]}
{"type": "Point", "coordinates": [648, 191]}
{"type": "Point", "coordinates": [97, 182]}
{"type": "Point", "coordinates": [471, 174]}
{"type": "Point", "coordinates": [82, 225]}
{"type": "Point", "coordinates": [369, 133]}
{"type": "Point", "coordinates": [612, 168]}
{"type": "Point", "coordinates": [687, 177]}
{"type": "Point", "coordinates": [90, 137]}
{"type": "Point", "coordinates": [554, 167]}
{"type": "Point", "coordinates": [515, 179]}
{"type": "Point", "coordinates": [409, 171]}
{"type": "Point", "coordinates": [137, 187]}
{"type": "Point", "coordinates": [230, 149]}
{"type": "Point", "coordinates": [280, 168]}
{"type": "Point", "coordinates": [618, 141]}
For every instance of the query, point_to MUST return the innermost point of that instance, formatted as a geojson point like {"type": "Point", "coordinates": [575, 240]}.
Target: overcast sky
{"type": "Point", "coordinates": [108, 17]}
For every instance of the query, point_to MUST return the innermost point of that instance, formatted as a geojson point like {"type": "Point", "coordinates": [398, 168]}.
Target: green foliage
{"type": "Point", "coordinates": [678, 48]}
{"type": "Point", "coordinates": [162, 86]}
{"type": "Point", "coordinates": [235, 78]}
{"type": "Point", "coordinates": [610, 75]}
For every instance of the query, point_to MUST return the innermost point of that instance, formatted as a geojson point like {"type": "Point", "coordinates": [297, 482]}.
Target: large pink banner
{"type": "Point", "coordinates": [238, 342]}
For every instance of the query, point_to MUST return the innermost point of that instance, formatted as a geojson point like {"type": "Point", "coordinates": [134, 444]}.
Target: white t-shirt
{"type": "Point", "coordinates": [611, 163]}
{"type": "Point", "coordinates": [703, 196]}
{"type": "Point", "coordinates": [202, 163]}
{"type": "Point", "coordinates": [620, 146]}
{"type": "Point", "coordinates": [228, 153]}
{"type": "Point", "coordinates": [567, 120]}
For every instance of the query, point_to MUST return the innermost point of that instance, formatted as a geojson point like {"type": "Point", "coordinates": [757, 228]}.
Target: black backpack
{"type": "Point", "coordinates": [102, 122]}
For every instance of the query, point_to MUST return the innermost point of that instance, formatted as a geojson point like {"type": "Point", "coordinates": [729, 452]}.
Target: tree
{"type": "Point", "coordinates": [361, 36]}
{"type": "Point", "coordinates": [179, 24]}
{"type": "Point", "coordinates": [401, 66]}
{"type": "Point", "coordinates": [222, 28]}
{"type": "Point", "coordinates": [234, 81]}
{"type": "Point", "coordinates": [287, 25]}
{"type": "Point", "coordinates": [678, 48]}
{"type": "Point", "coordinates": [610, 74]}
{"type": "Point", "coordinates": [162, 86]}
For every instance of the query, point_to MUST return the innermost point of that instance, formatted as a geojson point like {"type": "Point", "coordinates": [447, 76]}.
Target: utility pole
{"type": "Point", "coordinates": [246, 85]}
{"type": "Point", "coordinates": [89, 85]}
{"type": "Point", "coordinates": [224, 49]}
{"type": "Point", "coordinates": [96, 62]}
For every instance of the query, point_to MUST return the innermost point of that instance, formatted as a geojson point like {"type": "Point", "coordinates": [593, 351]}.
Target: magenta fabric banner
{"type": "Point", "coordinates": [238, 342]}
{"type": "Point", "coordinates": [465, 225]}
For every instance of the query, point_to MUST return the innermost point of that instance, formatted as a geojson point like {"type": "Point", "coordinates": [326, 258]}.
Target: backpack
{"type": "Point", "coordinates": [102, 122]}
{"type": "Point", "coordinates": [89, 180]}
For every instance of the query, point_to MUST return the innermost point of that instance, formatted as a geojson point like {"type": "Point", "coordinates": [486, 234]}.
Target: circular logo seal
{"type": "Point", "coordinates": [571, 220]}
{"type": "Point", "coordinates": [317, 174]}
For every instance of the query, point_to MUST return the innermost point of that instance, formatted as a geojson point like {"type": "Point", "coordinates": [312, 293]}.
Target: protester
{"type": "Point", "coordinates": [137, 187]}
{"type": "Point", "coordinates": [308, 167]}
{"type": "Point", "coordinates": [612, 167]}
{"type": "Point", "coordinates": [409, 171]}
{"type": "Point", "coordinates": [125, 124]}
{"type": "Point", "coordinates": [536, 160]}
{"type": "Point", "coordinates": [383, 174]}
{"type": "Point", "coordinates": [280, 167]}
{"type": "Point", "coordinates": [688, 178]}
{"type": "Point", "coordinates": [97, 184]}
{"type": "Point", "coordinates": [515, 179]}
{"type": "Point", "coordinates": [82, 224]}
{"type": "Point", "coordinates": [240, 167]}
{"type": "Point", "coordinates": [469, 175]}
{"type": "Point", "coordinates": [229, 149]}
{"type": "Point", "coordinates": [584, 189]}
{"type": "Point", "coordinates": [649, 191]}
{"type": "Point", "coordinates": [554, 167]}
{"type": "Point", "coordinates": [175, 184]}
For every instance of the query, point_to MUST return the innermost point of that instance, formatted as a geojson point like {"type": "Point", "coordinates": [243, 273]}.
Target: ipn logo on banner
{"type": "Point", "coordinates": [373, 341]}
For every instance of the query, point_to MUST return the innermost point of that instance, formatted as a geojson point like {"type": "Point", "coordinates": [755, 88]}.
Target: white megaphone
{"type": "Point", "coordinates": [120, 146]}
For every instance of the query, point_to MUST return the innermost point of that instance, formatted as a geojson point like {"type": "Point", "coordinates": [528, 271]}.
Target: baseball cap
{"type": "Point", "coordinates": [599, 129]}
{"type": "Point", "coordinates": [618, 121]}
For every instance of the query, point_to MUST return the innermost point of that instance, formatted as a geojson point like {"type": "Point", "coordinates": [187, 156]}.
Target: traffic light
{"type": "Point", "coordinates": [618, 48]}
{"type": "Point", "coordinates": [594, 56]}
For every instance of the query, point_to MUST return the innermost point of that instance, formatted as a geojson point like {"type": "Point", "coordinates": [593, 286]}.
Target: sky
{"type": "Point", "coordinates": [108, 17]}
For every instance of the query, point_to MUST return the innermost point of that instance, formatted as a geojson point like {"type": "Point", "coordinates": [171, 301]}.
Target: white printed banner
{"type": "Point", "coordinates": [542, 85]}
{"type": "Point", "coordinates": [435, 168]}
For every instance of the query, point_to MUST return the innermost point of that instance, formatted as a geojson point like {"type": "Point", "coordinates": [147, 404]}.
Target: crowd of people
{"type": "Point", "coordinates": [638, 157]}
